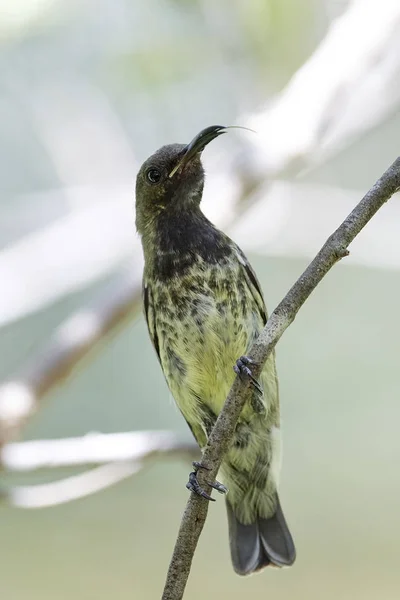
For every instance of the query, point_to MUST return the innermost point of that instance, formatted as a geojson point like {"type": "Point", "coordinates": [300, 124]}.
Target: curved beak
{"type": "Point", "coordinates": [198, 144]}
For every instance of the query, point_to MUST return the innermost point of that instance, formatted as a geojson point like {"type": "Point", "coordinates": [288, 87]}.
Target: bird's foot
{"type": "Point", "coordinates": [242, 369]}
{"type": "Point", "coordinates": [194, 486]}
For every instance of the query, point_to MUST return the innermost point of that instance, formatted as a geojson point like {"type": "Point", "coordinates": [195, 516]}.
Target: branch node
{"type": "Point", "coordinates": [341, 252]}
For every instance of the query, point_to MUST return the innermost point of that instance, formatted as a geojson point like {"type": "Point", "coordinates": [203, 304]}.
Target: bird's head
{"type": "Point", "coordinates": [172, 179]}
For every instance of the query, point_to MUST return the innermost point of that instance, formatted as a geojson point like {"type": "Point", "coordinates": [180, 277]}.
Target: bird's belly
{"type": "Point", "coordinates": [198, 352]}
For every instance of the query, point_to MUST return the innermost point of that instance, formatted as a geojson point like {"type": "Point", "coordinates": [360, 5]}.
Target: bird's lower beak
{"type": "Point", "coordinates": [198, 144]}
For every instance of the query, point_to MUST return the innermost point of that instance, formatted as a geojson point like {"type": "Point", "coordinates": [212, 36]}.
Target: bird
{"type": "Point", "coordinates": [204, 308]}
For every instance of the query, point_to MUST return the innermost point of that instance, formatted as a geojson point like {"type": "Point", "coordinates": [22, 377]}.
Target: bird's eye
{"type": "Point", "coordinates": [153, 175]}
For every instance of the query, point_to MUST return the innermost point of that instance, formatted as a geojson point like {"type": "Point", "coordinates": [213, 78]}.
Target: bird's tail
{"type": "Point", "coordinates": [262, 543]}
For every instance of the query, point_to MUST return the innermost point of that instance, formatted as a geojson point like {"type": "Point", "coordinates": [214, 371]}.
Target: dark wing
{"type": "Point", "coordinates": [149, 313]}
{"type": "Point", "coordinates": [253, 285]}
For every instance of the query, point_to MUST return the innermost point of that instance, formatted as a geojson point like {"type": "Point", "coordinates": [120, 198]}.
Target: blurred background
{"type": "Point", "coordinates": [88, 90]}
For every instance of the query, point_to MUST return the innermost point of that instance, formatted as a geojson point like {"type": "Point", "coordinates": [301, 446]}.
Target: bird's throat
{"type": "Point", "coordinates": [177, 241]}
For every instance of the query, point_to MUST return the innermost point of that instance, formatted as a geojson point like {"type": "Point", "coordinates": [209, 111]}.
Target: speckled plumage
{"type": "Point", "coordinates": [201, 323]}
{"type": "Point", "coordinates": [204, 309]}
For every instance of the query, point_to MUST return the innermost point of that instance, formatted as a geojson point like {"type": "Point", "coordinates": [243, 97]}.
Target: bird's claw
{"type": "Point", "coordinates": [194, 486]}
{"type": "Point", "coordinates": [220, 487]}
{"type": "Point", "coordinates": [242, 369]}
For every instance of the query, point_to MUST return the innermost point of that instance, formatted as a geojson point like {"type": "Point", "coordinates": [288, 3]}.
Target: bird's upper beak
{"type": "Point", "coordinates": [198, 144]}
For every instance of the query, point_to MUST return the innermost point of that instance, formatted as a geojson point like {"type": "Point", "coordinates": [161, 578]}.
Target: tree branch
{"type": "Point", "coordinates": [333, 250]}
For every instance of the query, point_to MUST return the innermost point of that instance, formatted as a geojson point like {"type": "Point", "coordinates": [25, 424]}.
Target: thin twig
{"type": "Point", "coordinates": [333, 250]}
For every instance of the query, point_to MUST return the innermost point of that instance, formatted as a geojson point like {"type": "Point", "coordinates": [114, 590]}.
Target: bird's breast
{"type": "Point", "coordinates": [205, 319]}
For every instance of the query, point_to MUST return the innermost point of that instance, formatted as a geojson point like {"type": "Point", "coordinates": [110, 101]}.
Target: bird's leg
{"type": "Point", "coordinates": [194, 486]}
{"type": "Point", "coordinates": [242, 369]}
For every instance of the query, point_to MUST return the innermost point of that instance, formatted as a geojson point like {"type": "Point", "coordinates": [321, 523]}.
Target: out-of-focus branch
{"type": "Point", "coordinates": [69, 344]}
{"type": "Point", "coordinates": [348, 85]}
{"type": "Point", "coordinates": [124, 454]}
{"type": "Point", "coordinates": [221, 436]}
{"type": "Point", "coordinates": [73, 252]}
{"type": "Point", "coordinates": [281, 226]}
{"type": "Point", "coordinates": [92, 449]}
{"type": "Point", "coordinates": [71, 488]}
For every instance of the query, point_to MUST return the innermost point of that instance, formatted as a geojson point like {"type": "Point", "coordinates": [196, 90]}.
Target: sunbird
{"type": "Point", "coordinates": [204, 308]}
